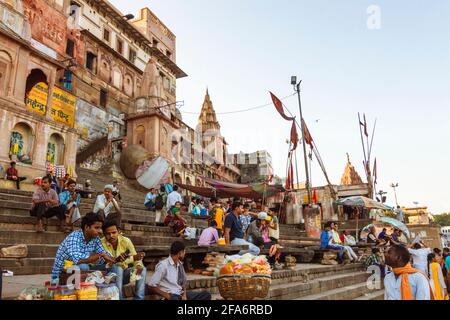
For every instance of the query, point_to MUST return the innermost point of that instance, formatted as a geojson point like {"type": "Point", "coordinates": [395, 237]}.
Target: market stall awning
{"type": "Point", "coordinates": [360, 201]}
{"type": "Point", "coordinates": [223, 184]}
{"type": "Point", "coordinates": [255, 192]}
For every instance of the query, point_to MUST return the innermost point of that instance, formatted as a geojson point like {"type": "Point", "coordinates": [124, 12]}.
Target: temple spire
{"type": "Point", "coordinates": [208, 118]}
{"type": "Point", "coordinates": [350, 176]}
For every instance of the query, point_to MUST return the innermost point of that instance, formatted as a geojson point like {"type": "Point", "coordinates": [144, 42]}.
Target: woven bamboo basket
{"type": "Point", "coordinates": [244, 287]}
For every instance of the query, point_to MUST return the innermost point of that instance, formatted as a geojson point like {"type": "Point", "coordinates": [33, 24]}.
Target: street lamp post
{"type": "Point", "coordinates": [395, 186]}
{"type": "Point", "coordinates": [382, 193]}
{"type": "Point", "coordinates": [297, 89]}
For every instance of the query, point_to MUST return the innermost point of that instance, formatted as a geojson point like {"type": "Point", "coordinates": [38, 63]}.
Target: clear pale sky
{"type": "Point", "coordinates": [398, 74]}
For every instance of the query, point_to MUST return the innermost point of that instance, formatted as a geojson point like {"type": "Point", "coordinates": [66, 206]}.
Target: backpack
{"type": "Point", "coordinates": [159, 202]}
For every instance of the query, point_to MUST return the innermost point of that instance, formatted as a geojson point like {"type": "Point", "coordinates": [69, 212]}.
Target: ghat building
{"type": "Point", "coordinates": [79, 80]}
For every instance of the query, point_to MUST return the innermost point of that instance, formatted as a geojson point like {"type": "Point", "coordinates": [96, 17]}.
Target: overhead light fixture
{"type": "Point", "coordinates": [294, 80]}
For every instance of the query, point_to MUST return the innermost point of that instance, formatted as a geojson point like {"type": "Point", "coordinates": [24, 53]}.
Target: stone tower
{"type": "Point", "coordinates": [350, 176]}
{"type": "Point", "coordinates": [212, 140]}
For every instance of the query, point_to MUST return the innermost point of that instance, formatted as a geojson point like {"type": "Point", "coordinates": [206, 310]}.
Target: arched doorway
{"type": "Point", "coordinates": [35, 76]}
{"type": "Point", "coordinates": [21, 143]}
{"type": "Point", "coordinates": [178, 179]}
{"type": "Point", "coordinates": [140, 136]}
{"type": "Point", "coordinates": [55, 150]}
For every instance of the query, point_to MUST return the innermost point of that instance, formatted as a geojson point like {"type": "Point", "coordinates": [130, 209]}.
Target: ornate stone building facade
{"type": "Point", "coordinates": [36, 110]}
{"type": "Point", "coordinates": [79, 80]}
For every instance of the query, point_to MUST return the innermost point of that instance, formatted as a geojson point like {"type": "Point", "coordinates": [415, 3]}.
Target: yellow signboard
{"type": "Point", "coordinates": [63, 107]}
{"type": "Point", "coordinates": [37, 98]}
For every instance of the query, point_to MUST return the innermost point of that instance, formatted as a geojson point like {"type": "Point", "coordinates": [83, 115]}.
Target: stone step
{"type": "Point", "coordinates": [296, 289]}
{"type": "Point", "coordinates": [52, 237]}
{"type": "Point", "coordinates": [49, 250]}
{"type": "Point", "coordinates": [375, 295]}
{"type": "Point", "coordinates": [345, 293]}
{"type": "Point", "coordinates": [27, 266]}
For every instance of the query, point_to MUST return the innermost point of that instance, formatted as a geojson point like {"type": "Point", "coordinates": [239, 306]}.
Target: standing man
{"type": "Point", "coordinates": [127, 259]}
{"type": "Point", "coordinates": [107, 205]}
{"type": "Point", "coordinates": [13, 175]}
{"type": "Point", "coordinates": [46, 205]}
{"type": "Point", "coordinates": [169, 280]}
{"type": "Point", "coordinates": [446, 257]}
{"type": "Point", "coordinates": [83, 247]}
{"type": "Point", "coordinates": [274, 226]}
{"type": "Point", "coordinates": [233, 230]}
{"type": "Point", "coordinates": [404, 282]}
{"type": "Point", "coordinates": [173, 198]}
{"type": "Point", "coordinates": [400, 214]}
{"type": "Point", "coordinates": [160, 205]}
{"type": "Point", "coordinates": [419, 253]}
{"type": "Point", "coordinates": [217, 214]}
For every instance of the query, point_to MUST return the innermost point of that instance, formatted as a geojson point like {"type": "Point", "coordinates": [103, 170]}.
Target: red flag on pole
{"type": "Point", "coordinates": [279, 106]}
{"type": "Point", "coordinates": [307, 136]}
{"type": "Point", "coordinates": [314, 197]}
{"type": "Point", "coordinates": [294, 136]}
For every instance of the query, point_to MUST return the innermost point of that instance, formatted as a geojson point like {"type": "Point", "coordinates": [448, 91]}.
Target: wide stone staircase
{"type": "Point", "coordinates": [306, 281]}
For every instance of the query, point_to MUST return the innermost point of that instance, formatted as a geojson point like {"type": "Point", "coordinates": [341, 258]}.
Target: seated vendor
{"type": "Point", "coordinates": [128, 261]}
{"type": "Point", "coordinates": [83, 248]}
{"type": "Point", "coordinates": [169, 280]}
{"type": "Point", "coordinates": [210, 235]}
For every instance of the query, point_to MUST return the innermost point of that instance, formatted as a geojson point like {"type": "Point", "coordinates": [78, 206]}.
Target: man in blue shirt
{"type": "Point", "coordinates": [325, 239]}
{"type": "Point", "coordinates": [149, 200]}
{"type": "Point", "coordinates": [70, 200]}
{"type": "Point", "coordinates": [83, 247]}
{"type": "Point", "coordinates": [234, 233]}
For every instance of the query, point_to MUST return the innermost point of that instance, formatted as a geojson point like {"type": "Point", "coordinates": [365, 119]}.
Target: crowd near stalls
{"type": "Point", "coordinates": [410, 270]}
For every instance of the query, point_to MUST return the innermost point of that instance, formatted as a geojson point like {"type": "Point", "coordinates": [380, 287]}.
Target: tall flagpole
{"type": "Point", "coordinates": [308, 185]}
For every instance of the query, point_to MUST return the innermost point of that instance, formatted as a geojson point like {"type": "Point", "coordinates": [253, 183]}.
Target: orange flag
{"type": "Point", "coordinates": [279, 106]}
{"type": "Point", "coordinates": [307, 136]}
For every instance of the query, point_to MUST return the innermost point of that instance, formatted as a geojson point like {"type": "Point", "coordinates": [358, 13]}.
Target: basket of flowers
{"type": "Point", "coordinates": [244, 278]}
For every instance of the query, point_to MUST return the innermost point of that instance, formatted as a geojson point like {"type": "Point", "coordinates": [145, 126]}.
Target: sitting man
{"type": "Point", "coordinates": [383, 235]}
{"type": "Point", "coordinates": [13, 175]}
{"type": "Point", "coordinates": [234, 234]}
{"type": "Point", "coordinates": [46, 205]}
{"type": "Point", "coordinates": [376, 259]}
{"type": "Point", "coordinates": [116, 190]}
{"type": "Point", "coordinates": [169, 280]}
{"type": "Point", "coordinates": [149, 200]}
{"type": "Point", "coordinates": [70, 199]}
{"type": "Point", "coordinates": [254, 234]}
{"type": "Point", "coordinates": [336, 240]}
{"type": "Point", "coordinates": [325, 242]}
{"type": "Point", "coordinates": [126, 257]}
{"type": "Point", "coordinates": [209, 236]}
{"type": "Point", "coordinates": [347, 239]}
{"type": "Point", "coordinates": [107, 206]}
{"type": "Point", "coordinates": [404, 282]}
{"type": "Point", "coordinates": [83, 248]}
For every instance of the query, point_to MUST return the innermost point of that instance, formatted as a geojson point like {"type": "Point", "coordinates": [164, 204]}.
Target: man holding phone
{"type": "Point", "coordinates": [128, 263]}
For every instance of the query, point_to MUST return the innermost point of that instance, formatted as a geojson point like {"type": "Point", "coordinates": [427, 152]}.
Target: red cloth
{"type": "Point", "coordinates": [342, 238]}
{"type": "Point", "coordinates": [11, 172]}
{"type": "Point", "coordinates": [279, 106]}
{"type": "Point", "coordinates": [294, 136]}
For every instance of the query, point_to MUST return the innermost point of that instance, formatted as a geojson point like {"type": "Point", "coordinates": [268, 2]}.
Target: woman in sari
{"type": "Point", "coordinates": [437, 281]}
{"type": "Point", "coordinates": [175, 221]}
